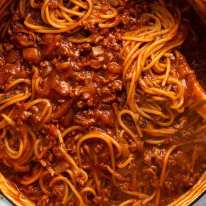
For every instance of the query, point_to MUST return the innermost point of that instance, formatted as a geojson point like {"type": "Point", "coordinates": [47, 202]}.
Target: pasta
{"type": "Point", "coordinates": [98, 105]}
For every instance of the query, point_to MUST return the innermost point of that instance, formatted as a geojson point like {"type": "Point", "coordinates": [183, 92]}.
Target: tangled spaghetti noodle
{"type": "Point", "coordinates": [58, 16]}
{"type": "Point", "coordinates": [95, 103]}
{"type": "Point", "coordinates": [149, 59]}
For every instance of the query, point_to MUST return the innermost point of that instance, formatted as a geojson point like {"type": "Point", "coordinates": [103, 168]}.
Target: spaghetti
{"type": "Point", "coordinates": [61, 17]}
{"type": "Point", "coordinates": [95, 103]}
